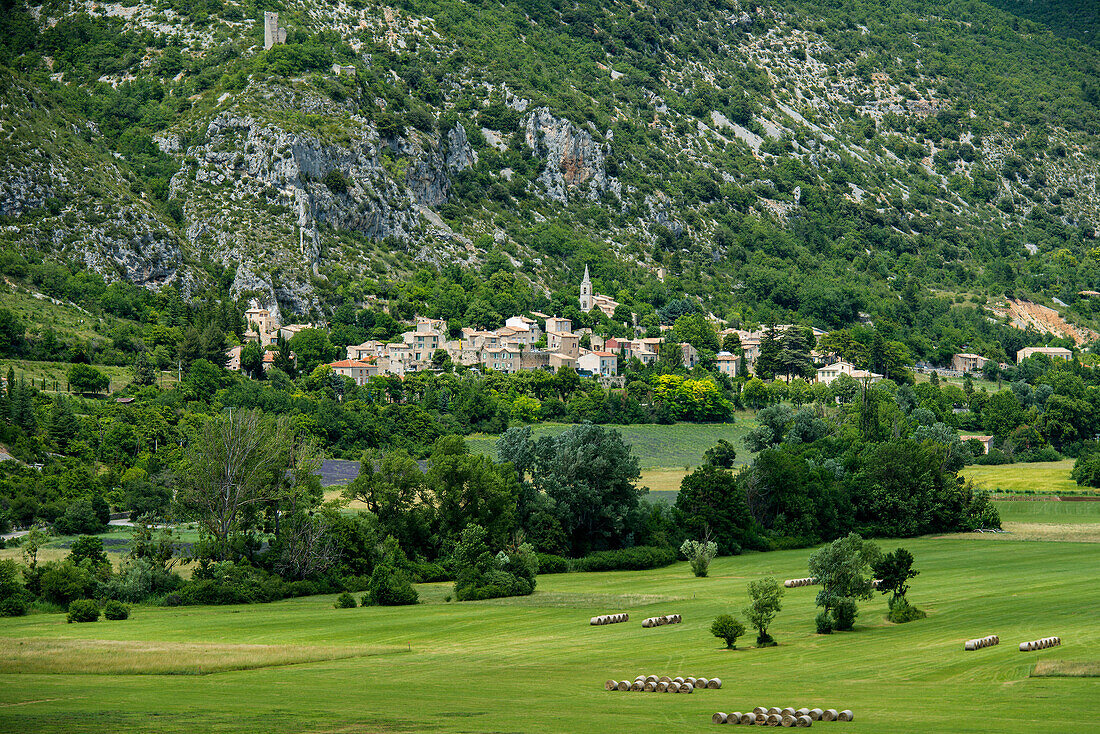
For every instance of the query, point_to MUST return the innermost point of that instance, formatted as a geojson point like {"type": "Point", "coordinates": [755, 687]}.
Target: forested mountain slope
{"type": "Point", "coordinates": [771, 160]}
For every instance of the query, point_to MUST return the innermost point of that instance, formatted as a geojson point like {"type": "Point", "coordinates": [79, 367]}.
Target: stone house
{"type": "Point", "coordinates": [356, 370]}
{"type": "Point", "coordinates": [603, 364]}
{"type": "Point", "coordinates": [830, 372]}
{"type": "Point", "coordinates": [1052, 352]}
{"type": "Point", "coordinates": [968, 362]}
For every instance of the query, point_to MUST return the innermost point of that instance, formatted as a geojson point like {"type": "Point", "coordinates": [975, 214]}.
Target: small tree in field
{"type": "Point", "coordinates": [843, 570]}
{"type": "Point", "coordinates": [894, 571]}
{"type": "Point", "coordinates": [700, 553]}
{"type": "Point", "coordinates": [766, 595]}
{"type": "Point", "coordinates": [726, 627]}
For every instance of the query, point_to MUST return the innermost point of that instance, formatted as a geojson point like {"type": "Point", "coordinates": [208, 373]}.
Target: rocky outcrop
{"type": "Point", "coordinates": [574, 160]}
{"type": "Point", "coordinates": [261, 197]}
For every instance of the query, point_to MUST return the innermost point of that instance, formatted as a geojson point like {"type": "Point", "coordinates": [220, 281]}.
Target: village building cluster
{"type": "Point", "coordinates": [549, 343]}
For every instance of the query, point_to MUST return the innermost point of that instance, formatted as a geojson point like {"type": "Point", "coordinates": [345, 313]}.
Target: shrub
{"type": "Point", "coordinates": [995, 457]}
{"type": "Point", "coordinates": [14, 606]}
{"type": "Point", "coordinates": [427, 573]}
{"type": "Point", "coordinates": [346, 601]}
{"type": "Point", "coordinates": [390, 587]}
{"type": "Point", "coordinates": [824, 622]}
{"type": "Point", "coordinates": [335, 181]}
{"type": "Point", "coordinates": [638, 558]}
{"type": "Point", "coordinates": [845, 613]}
{"type": "Point", "coordinates": [62, 582]}
{"type": "Point", "coordinates": [231, 583]}
{"type": "Point", "coordinates": [549, 563]}
{"type": "Point", "coordinates": [726, 628]}
{"type": "Point", "coordinates": [700, 553]}
{"type": "Point", "coordinates": [172, 600]}
{"type": "Point", "coordinates": [482, 575]}
{"type": "Point", "coordinates": [83, 610]}
{"type": "Point", "coordinates": [901, 611]}
{"type": "Point", "coordinates": [116, 610]}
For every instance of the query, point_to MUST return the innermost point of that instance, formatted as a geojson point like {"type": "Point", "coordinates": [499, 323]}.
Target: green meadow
{"type": "Point", "coordinates": [533, 664]}
{"type": "Point", "coordinates": [1047, 477]}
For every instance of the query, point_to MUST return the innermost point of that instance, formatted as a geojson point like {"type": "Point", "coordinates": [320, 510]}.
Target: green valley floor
{"type": "Point", "coordinates": [535, 665]}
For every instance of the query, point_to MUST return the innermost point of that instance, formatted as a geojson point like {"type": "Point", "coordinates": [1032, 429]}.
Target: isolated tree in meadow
{"type": "Point", "coordinates": [765, 596]}
{"type": "Point", "coordinates": [893, 571]}
{"type": "Point", "coordinates": [726, 628]}
{"type": "Point", "coordinates": [842, 568]}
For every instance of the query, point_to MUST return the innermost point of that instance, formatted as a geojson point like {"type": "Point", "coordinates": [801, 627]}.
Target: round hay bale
{"type": "Point", "coordinates": [815, 714]}
{"type": "Point", "coordinates": [714, 684]}
{"type": "Point", "coordinates": [649, 687]}
{"type": "Point", "coordinates": [788, 711]}
{"type": "Point", "coordinates": [651, 679]}
{"type": "Point", "coordinates": [678, 679]}
{"type": "Point", "coordinates": [662, 686]}
{"type": "Point", "coordinates": [845, 715]}
{"type": "Point", "coordinates": [673, 687]}
{"type": "Point", "coordinates": [701, 682]}
{"type": "Point", "coordinates": [624, 685]}
{"type": "Point", "coordinates": [760, 719]}
{"type": "Point", "coordinates": [1024, 647]}
{"type": "Point", "coordinates": [789, 583]}
{"type": "Point", "coordinates": [970, 645]}
{"type": "Point", "coordinates": [747, 718]}
{"type": "Point", "coordinates": [787, 720]}
{"type": "Point", "coordinates": [734, 718]}
{"type": "Point", "coordinates": [775, 710]}
{"type": "Point", "coordinates": [638, 686]}
{"type": "Point", "coordinates": [760, 710]}
{"type": "Point", "coordinates": [802, 712]}
{"type": "Point", "coordinates": [687, 688]}
{"type": "Point", "coordinates": [647, 623]}
{"type": "Point", "coordinates": [719, 718]}
{"type": "Point", "coordinates": [689, 679]}
{"type": "Point", "coordinates": [664, 679]}
{"type": "Point", "coordinates": [611, 685]}
{"type": "Point", "coordinates": [828, 715]}
{"type": "Point", "coordinates": [594, 621]}
{"type": "Point", "coordinates": [774, 720]}
{"type": "Point", "coordinates": [803, 721]}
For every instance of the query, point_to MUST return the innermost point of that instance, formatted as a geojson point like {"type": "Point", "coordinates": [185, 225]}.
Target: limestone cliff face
{"type": "Point", "coordinates": [574, 160]}
{"type": "Point", "coordinates": [66, 198]}
{"type": "Point", "coordinates": [272, 201]}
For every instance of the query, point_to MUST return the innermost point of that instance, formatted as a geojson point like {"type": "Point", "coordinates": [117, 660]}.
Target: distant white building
{"type": "Point", "coordinates": [830, 372]}
{"type": "Point", "coordinates": [590, 300]}
{"type": "Point", "coordinates": [603, 364]}
{"type": "Point", "coordinates": [1052, 352]}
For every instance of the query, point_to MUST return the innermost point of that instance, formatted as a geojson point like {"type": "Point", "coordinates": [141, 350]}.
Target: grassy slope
{"type": "Point", "coordinates": [533, 664]}
{"type": "Point", "coordinates": [1040, 477]}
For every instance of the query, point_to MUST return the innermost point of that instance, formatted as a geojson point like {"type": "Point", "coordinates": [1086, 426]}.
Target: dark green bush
{"type": "Point", "coordinates": [824, 623]}
{"type": "Point", "coordinates": [901, 611]}
{"type": "Point", "coordinates": [844, 614]}
{"type": "Point", "coordinates": [83, 610]}
{"type": "Point", "coordinates": [390, 587]}
{"type": "Point", "coordinates": [116, 610]}
{"type": "Point", "coordinates": [231, 583]}
{"type": "Point", "coordinates": [627, 559]}
{"type": "Point", "coordinates": [549, 563]}
{"type": "Point", "coordinates": [14, 606]}
{"type": "Point", "coordinates": [427, 573]}
{"type": "Point", "coordinates": [995, 457]}
{"type": "Point", "coordinates": [345, 601]}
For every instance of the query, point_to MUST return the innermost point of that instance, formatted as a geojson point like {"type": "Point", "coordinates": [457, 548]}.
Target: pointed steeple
{"type": "Point", "coordinates": [585, 279]}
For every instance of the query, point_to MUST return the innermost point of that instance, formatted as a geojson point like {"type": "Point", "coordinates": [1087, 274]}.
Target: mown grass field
{"type": "Point", "coordinates": [669, 447]}
{"type": "Point", "coordinates": [1046, 477]}
{"type": "Point", "coordinates": [533, 664]}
